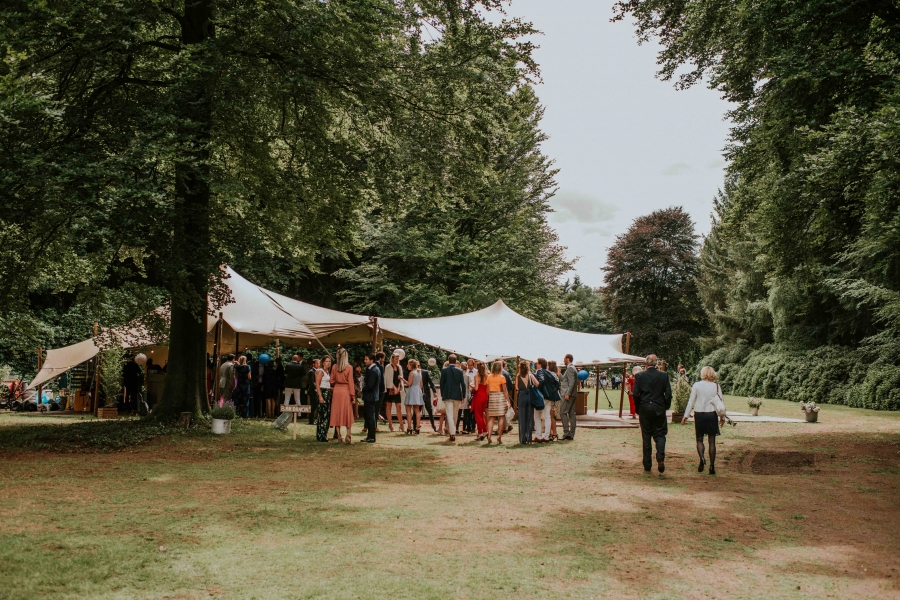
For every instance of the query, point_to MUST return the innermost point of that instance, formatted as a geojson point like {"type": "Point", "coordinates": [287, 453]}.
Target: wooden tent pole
{"type": "Point", "coordinates": [96, 396]}
{"type": "Point", "coordinates": [374, 335]}
{"type": "Point", "coordinates": [216, 353]}
{"type": "Point", "coordinates": [624, 369]}
{"type": "Point", "coordinates": [40, 364]}
{"type": "Point", "coordinates": [597, 391]}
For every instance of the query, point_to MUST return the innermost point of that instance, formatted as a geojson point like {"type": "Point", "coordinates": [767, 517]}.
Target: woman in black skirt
{"type": "Point", "coordinates": [709, 412]}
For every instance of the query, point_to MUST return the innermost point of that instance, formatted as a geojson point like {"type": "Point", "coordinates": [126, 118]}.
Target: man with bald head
{"type": "Point", "coordinates": [652, 398]}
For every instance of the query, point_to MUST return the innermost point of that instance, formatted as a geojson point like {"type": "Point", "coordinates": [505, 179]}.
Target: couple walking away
{"type": "Point", "coordinates": [653, 397]}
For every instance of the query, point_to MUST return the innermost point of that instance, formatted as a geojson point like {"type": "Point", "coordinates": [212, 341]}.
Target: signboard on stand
{"type": "Point", "coordinates": [294, 408]}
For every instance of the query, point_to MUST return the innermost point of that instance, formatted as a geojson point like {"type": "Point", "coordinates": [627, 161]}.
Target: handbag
{"type": "Point", "coordinates": [537, 398]}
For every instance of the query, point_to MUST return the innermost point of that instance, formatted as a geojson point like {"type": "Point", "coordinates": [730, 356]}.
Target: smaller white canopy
{"type": "Point", "coordinates": [500, 332]}
{"type": "Point", "coordinates": [60, 360]}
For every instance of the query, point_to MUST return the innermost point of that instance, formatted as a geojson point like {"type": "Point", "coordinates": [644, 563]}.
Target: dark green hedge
{"type": "Point", "coordinates": [826, 375]}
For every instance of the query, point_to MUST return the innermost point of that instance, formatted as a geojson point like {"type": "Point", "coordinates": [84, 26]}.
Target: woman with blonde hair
{"type": "Point", "coordinates": [709, 412]}
{"type": "Point", "coordinates": [498, 401]}
{"type": "Point", "coordinates": [323, 392]}
{"type": "Point", "coordinates": [343, 394]}
{"type": "Point", "coordinates": [415, 399]}
{"type": "Point", "coordinates": [525, 381]}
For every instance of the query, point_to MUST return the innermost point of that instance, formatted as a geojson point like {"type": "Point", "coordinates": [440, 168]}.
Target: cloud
{"type": "Point", "coordinates": [601, 231]}
{"type": "Point", "coordinates": [571, 206]}
{"type": "Point", "coordinates": [716, 164]}
{"type": "Point", "coordinates": [676, 169]}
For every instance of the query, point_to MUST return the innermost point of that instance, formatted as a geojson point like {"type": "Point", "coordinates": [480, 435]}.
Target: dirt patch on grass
{"type": "Point", "coordinates": [781, 463]}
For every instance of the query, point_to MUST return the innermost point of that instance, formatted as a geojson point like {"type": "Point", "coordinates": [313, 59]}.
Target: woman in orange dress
{"type": "Point", "coordinates": [343, 394]}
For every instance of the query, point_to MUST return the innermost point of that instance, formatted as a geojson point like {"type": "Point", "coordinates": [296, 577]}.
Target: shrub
{"type": "Point", "coordinates": [111, 362]}
{"type": "Point", "coordinates": [681, 394]}
{"type": "Point", "coordinates": [226, 413]}
{"type": "Point", "coordinates": [826, 375]}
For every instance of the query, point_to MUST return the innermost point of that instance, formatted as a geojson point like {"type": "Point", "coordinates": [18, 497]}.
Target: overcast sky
{"type": "Point", "coordinates": [625, 142]}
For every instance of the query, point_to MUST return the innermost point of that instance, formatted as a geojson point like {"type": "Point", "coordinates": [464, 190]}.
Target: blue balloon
{"type": "Point", "coordinates": [264, 359]}
{"type": "Point", "coordinates": [583, 375]}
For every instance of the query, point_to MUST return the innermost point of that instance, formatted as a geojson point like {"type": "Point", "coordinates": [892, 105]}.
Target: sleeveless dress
{"type": "Point", "coordinates": [341, 392]}
{"type": "Point", "coordinates": [323, 414]}
{"type": "Point", "coordinates": [414, 395]}
{"type": "Point", "coordinates": [242, 393]}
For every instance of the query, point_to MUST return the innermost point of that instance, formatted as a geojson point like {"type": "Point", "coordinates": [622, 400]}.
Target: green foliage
{"type": "Point", "coordinates": [226, 413]}
{"type": "Point", "coordinates": [805, 246]}
{"type": "Point", "coordinates": [111, 362]}
{"type": "Point", "coordinates": [580, 308]}
{"type": "Point", "coordinates": [651, 286]}
{"type": "Point", "coordinates": [479, 236]}
{"type": "Point", "coordinates": [826, 375]}
{"type": "Point", "coordinates": [681, 394]}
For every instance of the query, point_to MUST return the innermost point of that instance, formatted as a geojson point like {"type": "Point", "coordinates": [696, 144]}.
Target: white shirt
{"type": "Point", "coordinates": [706, 396]}
{"type": "Point", "coordinates": [326, 380]}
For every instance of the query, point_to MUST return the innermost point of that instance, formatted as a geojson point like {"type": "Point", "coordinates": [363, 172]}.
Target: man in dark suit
{"type": "Point", "coordinates": [371, 395]}
{"type": "Point", "coordinates": [429, 392]}
{"type": "Point", "coordinates": [453, 390]}
{"type": "Point", "coordinates": [652, 398]}
{"type": "Point", "coordinates": [379, 362]}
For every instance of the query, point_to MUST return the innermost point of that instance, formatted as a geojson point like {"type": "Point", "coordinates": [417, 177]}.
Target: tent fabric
{"type": "Point", "coordinates": [500, 332]}
{"type": "Point", "coordinates": [257, 316]}
{"type": "Point", "coordinates": [60, 360]}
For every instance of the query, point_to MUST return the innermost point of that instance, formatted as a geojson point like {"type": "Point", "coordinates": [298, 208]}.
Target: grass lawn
{"type": "Point", "coordinates": [258, 515]}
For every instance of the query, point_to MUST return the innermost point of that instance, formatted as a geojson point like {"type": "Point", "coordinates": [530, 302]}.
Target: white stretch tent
{"type": "Point", "coordinates": [500, 332]}
{"type": "Point", "coordinates": [257, 316]}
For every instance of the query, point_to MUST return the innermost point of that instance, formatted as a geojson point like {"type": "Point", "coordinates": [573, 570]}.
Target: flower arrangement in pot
{"type": "Point", "coordinates": [754, 404]}
{"type": "Point", "coordinates": [810, 410]}
{"type": "Point", "coordinates": [221, 419]}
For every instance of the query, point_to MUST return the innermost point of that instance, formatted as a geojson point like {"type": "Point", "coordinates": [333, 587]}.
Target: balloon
{"type": "Point", "coordinates": [264, 358]}
{"type": "Point", "coordinates": [141, 359]}
{"type": "Point", "coordinates": [432, 362]}
{"type": "Point", "coordinates": [582, 374]}
{"type": "Point", "coordinates": [400, 352]}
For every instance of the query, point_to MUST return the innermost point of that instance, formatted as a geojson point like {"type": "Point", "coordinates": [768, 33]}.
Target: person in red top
{"type": "Point", "coordinates": [629, 387]}
{"type": "Point", "coordinates": [480, 399]}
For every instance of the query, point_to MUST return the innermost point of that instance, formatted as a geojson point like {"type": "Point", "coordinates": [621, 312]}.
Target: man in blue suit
{"type": "Point", "coordinates": [371, 393]}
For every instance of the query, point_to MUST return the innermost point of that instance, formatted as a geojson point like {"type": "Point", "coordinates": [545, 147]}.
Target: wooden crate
{"type": "Point", "coordinates": [107, 413]}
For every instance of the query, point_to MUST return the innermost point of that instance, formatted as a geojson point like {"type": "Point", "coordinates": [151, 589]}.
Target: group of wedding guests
{"type": "Point", "coordinates": [473, 398]}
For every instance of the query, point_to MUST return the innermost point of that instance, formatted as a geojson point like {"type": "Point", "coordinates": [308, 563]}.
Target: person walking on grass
{"type": "Point", "coordinates": [709, 412]}
{"type": "Point", "coordinates": [568, 391]}
{"type": "Point", "coordinates": [323, 393]}
{"type": "Point", "coordinates": [343, 395]}
{"type": "Point", "coordinates": [652, 398]}
{"type": "Point", "coordinates": [371, 395]}
{"type": "Point", "coordinates": [453, 390]}
{"type": "Point", "coordinates": [498, 401]}
{"type": "Point", "coordinates": [414, 397]}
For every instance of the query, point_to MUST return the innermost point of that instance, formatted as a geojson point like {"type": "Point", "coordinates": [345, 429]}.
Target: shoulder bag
{"type": "Point", "coordinates": [537, 398]}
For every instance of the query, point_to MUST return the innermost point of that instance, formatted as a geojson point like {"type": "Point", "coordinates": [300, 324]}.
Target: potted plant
{"type": "Point", "coordinates": [754, 404]}
{"type": "Point", "coordinates": [111, 362]}
{"type": "Point", "coordinates": [810, 410]}
{"type": "Point", "coordinates": [680, 397]}
{"type": "Point", "coordinates": [221, 419]}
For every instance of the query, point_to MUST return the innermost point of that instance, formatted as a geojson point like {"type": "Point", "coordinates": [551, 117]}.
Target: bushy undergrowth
{"type": "Point", "coordinates": [826, 375]}
{"type": "Point", "coordinates": [89, 436]}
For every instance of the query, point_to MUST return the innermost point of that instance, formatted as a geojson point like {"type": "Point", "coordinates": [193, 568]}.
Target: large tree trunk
{"type": "Point", "coordinates": [192, 265]}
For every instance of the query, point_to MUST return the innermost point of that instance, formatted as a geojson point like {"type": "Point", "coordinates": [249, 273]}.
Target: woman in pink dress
{"type": "Point", "coordinates": [343, 394]}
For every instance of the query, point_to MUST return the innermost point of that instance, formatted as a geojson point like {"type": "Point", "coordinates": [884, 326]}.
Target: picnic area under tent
{"type": "Point", "coordinates": [256, 317]}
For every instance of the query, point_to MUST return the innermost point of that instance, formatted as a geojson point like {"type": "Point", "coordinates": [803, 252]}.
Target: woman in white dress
{"type": "Point", "coordinates": [709, 412]}
{"type": "Point", "coordinates": [414, 397]}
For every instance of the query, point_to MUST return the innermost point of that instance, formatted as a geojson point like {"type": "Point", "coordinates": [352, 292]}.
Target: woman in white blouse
{"type": "Point", "coordinates": [709, 412]}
